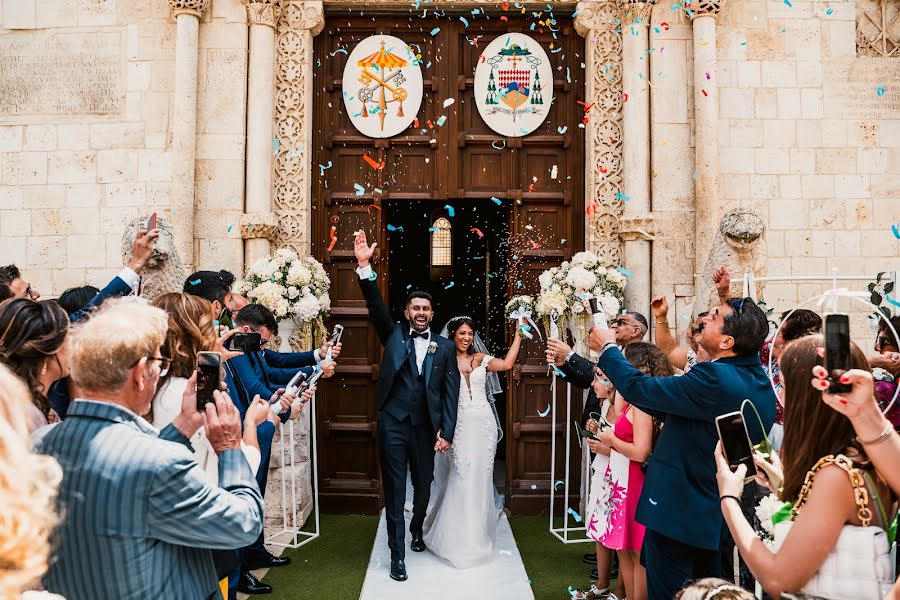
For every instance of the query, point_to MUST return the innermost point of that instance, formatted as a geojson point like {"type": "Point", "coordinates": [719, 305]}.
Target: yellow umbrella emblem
{"type": "Point", "coordinates": [383, 62]}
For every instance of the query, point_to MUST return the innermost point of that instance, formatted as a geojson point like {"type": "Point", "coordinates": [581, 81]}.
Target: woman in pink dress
{"type": "Point", "coordinates": [630, 441]}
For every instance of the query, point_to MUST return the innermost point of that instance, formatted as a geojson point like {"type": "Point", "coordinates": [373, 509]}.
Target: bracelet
{"type": "Point", "coordinates": [658, 322]}
{"type": "Point", "coordinates": [735, 498]}
{"type": "Point", "coordinates": [886, 432]}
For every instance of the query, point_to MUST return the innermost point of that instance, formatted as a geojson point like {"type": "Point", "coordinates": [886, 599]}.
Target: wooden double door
{"type": "Point", "coordinates": [524, 195]}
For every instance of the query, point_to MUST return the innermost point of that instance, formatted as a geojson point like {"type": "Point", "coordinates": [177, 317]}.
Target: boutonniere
{"type": "Point", "coordinates": [432, 347]}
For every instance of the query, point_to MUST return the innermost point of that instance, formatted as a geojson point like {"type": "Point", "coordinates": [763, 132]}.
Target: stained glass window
{"type": "Point", "coordinates": [441, 243]}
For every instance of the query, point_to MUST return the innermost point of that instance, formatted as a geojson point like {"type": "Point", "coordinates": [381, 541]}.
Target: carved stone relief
{"type": "Point", "coordinates": [263, 12]}
{"type": "Point", "coordinates": [194, 7]}
{"type": "Point", "coordinates": [878, 28]}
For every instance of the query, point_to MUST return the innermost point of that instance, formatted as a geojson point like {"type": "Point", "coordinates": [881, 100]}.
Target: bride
{"type": "Point", "coordinates": [462, 524]}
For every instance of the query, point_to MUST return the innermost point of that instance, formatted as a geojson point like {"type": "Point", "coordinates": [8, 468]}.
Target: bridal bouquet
{"type": "Point", "coordinates": [565, 291]}
{"type": "Point", "coordinates": [521, 310]}
{"type": "Point", "coordinates": [289, 286]}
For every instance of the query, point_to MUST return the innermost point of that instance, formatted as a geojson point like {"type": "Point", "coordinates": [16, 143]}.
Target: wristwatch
{"type": "Point", "coordinates": [569, 355]}
{"type": "Point", "coordinates": [606, 347]}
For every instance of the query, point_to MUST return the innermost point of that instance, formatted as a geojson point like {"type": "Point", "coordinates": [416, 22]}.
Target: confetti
{"type": "Point", "coordinates": [339, 51]}
{"type": "Point", "coordinates": [375, 206]}
{"type": "Point", "coordinates": [495, 142]}
{"type": "Point", "coordinates": [558, 483]}
{"type": "Point", "coordinates": [829, 11]}
{"type": "Point", "coordinates": [360, 190]}
{"type": "Point", "coordinates": [449, 285]}
{"type": "Point", "coordinates": [624, 97]}
{"type": "Point", "coordinates": [275, 143]}
{"type": "Point", "coordinates": [450, 210]}
{"type": "Point", "coordinates": [323, 168]}
{"type": "Point", "coordinates": [497, 201]}
{"type": "Point", "coordinates": [435, 31]}
{"type": "Point", "coordinates": [704, 92]}
{"type": "Point", "coordinates": [554, 172]}
{"type": "Point", "coordinates": [393, 228]}
{"type": "Point", "coordinates": [603, 169]}
{"type": "Point", "coordinates": [441, 120]}
{"type": "Point", "coordinates": [896, 231]}
{"type": "Point", "coordinates": [625, 272]}
{"type": "Point", "coordinates": [373, 276]}
{"type": "Point", "coordinates": [333, 238]}
{"type": "Point", "coordinates": [788, 3]}
{"type": "Point", "coordinates": [574, 514]}
{"type": "Point", "coordinates": [891, 300]}
{"type": "Point", "coordinates": [373, 163]}
{"type": "Point", "coordinates": [545, 413]}
{"type": "Point", "coordinates": [196, 282]}
{"type": "Point", "coordinates": [880, 90]}
{"type": "Point", "coordinates": [664, 25]}
{"type": "Point", "coordinates": [449, 102]}
{"type": "Point", "coordinates": [622, 197]}
{"type": "Point", "coordinates": [477, 231]}
{"type": "Point", "coordinates": [465, 21]}
{"type": "Point", "coordinates": [707, 74]}
{"type": "Point", "coordinates": [230, 227]}
{"type": "Point", "coordinates": [562, 130]}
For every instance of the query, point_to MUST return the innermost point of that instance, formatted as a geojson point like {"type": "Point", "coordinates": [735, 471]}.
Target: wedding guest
{"type": "Point", "coordinates": [681, 357]}
{"type": "Point", "coordinates": [33, 346]}
{"type": "Point", "coordinates": [886, 368]}
{"type": "Point", "coordinates": [11, 277]}
{"type": "Point", "coordinates": [5, 292]}
{"type": "Point", "coordinates": [630, 327]}
{"type": "Point", "coordinates": [845, 489]}
{"type": "Point", "coordinates": [678, 504]}
{"type": "Point", "coordinates": [214, 286]}
{"type": "Point", "coordinates": [74, 299]}
{"type": "Point", "coordinates": [713, 588]}
{"type": "Point", "coordinates": [158, 517]}
{"type": "Point", "coordinates": [28, 488]}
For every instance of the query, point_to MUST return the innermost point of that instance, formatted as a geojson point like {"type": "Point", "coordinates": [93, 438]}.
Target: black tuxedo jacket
{"type": "Point", "coordinates": [441, 370]}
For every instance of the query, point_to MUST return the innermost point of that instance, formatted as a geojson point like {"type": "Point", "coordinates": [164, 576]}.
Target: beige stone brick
{"type": "Point", "coordinates": [889, 133]}
{"type": "Point", "coordinates": [113, 249]}
{"type": "Point", "coordinates": [778, 73]}
{"type": "Point", "coordinates": [871, 160]}
{"type": "Point", "coordinates": [724, 133]}
{"type": "Point", "coordinates": [63, 279]}
{"type": "Point", "coordinates": [155, 141]}
{"type": "Point", "coordinates": [885, 186]}
{"type": "Point", "coordinates": [748, 74]}
{"type": "Point", "coordinates": [779, 134]}
{"type": "Point", "coordinates": [811, 103]}
{"type": "Point", "coordinates": [47, 252]}
{"type": "Point", "coordinates": [105, 136]}
{"type": "Point", "coordinates": [11, 138]}
{"type": "Point", "coordinates": [808, 266]}
{"type": "Point", "coordinates": [124, 194]}
{"type": "Point", "coordinates": [65, 221]}
{"type": "Point", "coordinates": [87, 251]}
{"type": "Point", "coordinates": [839, 39]}
{"type": "Point", "coordinates": [772, 161]}
{"type": "Point", "coordinates": [85, 195]}
{"type": "Point", "coordinates": [11, 197]}
{"type": "Point", "coordinates": [788, 103]}
{"type": "Point", "coordinates": [809, 73]}
{"type": "Point", "coordinates": [766, 103]}
{"type": "Point", "coordinates": [133, 106]}
{"type": "Point", "coordinates": [789, 186]}
{"type": "Point", "coordinates": [14, 250]}
{"type": "Point", "coordinates": [822, 242]}
{"type": "Point", "coordinates": [15, 222]}
{"type": "Point", "coordinates": [835, 161]}
{"type": "Point", "coordinates": [95, 13]}
{"type": "Point", "coordinates": [24, 168]}
{"type": "Point", "coordinates": [155, 112]}
{"type": "Point", "coordinates": [763, 186]}
{"type": "Point", "coordinates": [735, 186]}
{"type": "Point", "coordinates": [797, 10]}
{"type": "Point", "coordinates": [45, 196]}
{"type": "Point", "coordinates": [221, 254]}
{"type": "Point", "coordinates": [809, 134]}
{"type": "Point", "coordinates": [72, 167]}
{"type": "Point", "coordinates": [162, 76]}
{"type": "Point", "coordinates": [887, 209]}
{"type": "Point", "coordinates": [859, 213]}
{"type": "Point", "coordinates": [220, 146]}
{"type": "Point", "coordinates": [115, 166]}
{"type": "Point", "coordinates": [223, 35]}
{"type": "Point", "coordinates": [787, 213]}
{"type": "Point", "coordinates": [19, 14]}
{"type": "Point", "coordinates": [746, 133]}
{"type": "Point", "coordinates": [848, 265]}
{"type": "Point", "coordinates": [847, 243]}
{"type": "Point", "coordinates": [736, 160]}
{"type": "Point", "coordinates": [223, 106]}
{"type": "Point", "coordinates": [797, 243]}
{"type": "Point", "coordinates": [154, 165]}
{"type": "Point", "coordinates": [851, 186]}
{"type": "Point", "coordinates": [159, 194]}
{"type": "Point", "coordinates": [818, 186]}
{"type": "Point", "coordinates": [884, 245]}
{"type": "Point", "coordinates": [863, 134]}
{"type": "Point", "coordinates": [834, 133]}
{"type": "Point", "coordinates": [73, 136]}
{"type": "Point", "coordinates": [40, 138]}
{"type": "Point", "coordinates": [115, 219]}
{"type": "Point", "coordinates": [138, 76]}
{"type": "Point", "coordinates": [764, 44]}
{"type": "Point", "coordinates": [826, 213]}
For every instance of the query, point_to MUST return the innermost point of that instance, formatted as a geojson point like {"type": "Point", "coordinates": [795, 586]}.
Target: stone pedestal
{"type": "Point", "coordinates": [277, 505]}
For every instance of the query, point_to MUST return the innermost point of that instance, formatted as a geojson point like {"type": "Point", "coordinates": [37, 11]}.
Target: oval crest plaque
{"type": "Point", "coordinates": [382, 86]}
{"type": "Point", "coordinates": [514, 85]}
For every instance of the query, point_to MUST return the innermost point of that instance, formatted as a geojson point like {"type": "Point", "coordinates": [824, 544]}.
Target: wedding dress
{"type": "Point", "coordinates": [461, 526]}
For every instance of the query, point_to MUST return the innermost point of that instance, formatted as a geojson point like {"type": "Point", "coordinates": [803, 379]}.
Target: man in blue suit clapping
{"type": "Point", "coordinates": [679, 503]}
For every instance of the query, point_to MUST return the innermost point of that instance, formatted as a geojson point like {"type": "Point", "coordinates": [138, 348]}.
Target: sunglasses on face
{"type": "Point", "coordinates": [164, 364]}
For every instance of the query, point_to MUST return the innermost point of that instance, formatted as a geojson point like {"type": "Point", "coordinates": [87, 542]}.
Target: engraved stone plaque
{"type": "Point", "coordinates": [862, 88]}
{"type": "Point", "coordinates": [60, 74]}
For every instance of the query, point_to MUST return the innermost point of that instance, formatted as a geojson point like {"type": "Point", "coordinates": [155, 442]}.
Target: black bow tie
{"type": "Point", "coordinates": [424, 334]}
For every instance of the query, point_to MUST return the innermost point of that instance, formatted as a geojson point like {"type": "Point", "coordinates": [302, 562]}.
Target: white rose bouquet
{"type": "Point", "coordinates": [289, 286]}
{"type": "Point", "coordinates": [521, 310]}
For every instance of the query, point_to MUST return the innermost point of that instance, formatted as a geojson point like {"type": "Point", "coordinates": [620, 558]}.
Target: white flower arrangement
{"type": "Point", "coordinates": [519, 303]}
{"type": "Point", "coordinates": [768, 506]}
{"type": "Point", "coordinates": [289, 286]}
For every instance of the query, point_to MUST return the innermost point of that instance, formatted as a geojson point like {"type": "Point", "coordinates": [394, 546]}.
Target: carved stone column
{"type": "Point", "coordinates": [706, 132]}
{"type": "Point", "coordinates": [187, 15]}
{"type": "Point", "coordinates": [636, 147]}
{"type": "Point", "coordinates": [262, 16]}
{"type": "Point", "coordinates": [603, 131]}
{"type": "Point", "coordinates": [299, 23]}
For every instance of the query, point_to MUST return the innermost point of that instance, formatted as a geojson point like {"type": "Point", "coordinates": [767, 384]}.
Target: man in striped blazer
{"type": "Point", "coordinates": [138, 519]}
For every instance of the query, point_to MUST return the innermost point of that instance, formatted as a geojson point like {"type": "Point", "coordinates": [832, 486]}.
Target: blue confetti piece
{"type": "Point", "coordinates": [575, 515]}
{"type": "Point", "coordinates": [360, 190]}
{"type": "Point", "coordinates": [788, 3]}
{"type": "Point", "coordinates": [450, 210]}
{"type": "Point", "coordinates": [572, 591]}
{"type": "Point", "coordinates": [230, 227]}
{"type": "Point", "coordinates": [449, 285]}
{"type": "Point", "coordinates": [433, 229]}
{"type": "Point", "coordinates": [829, 11]}
{"type": "Point", "coordinates": [275, 143]}
{"type": "Point", "coordinates": [880, 90]}
{"type": "Point", "coordinates": [393, 228]}
{"type": "Point", "coordinates": [519, 284]}
{"type": "Point", "coordinates": [339, 51]}
{"type": "Point", "coordinates": [568, 75]}
{"type": "Point", "coordinates": [545, 413]}
{"type": "Point", "coordinates": [622, 197]}
{"type": "Point", "coordinates": [323, 168]}
{"type": "Point", "coordinates": [196, 282]}
{"type": "Point", "coordinates": [465, 21]}
{"type": "Point", "coordinates": [373, 276]}
{"type": "Point", "coordinates": [896, 231]}
{"type": "Point", "coordinates": [440, 123]}
{"type": "Point", "coordinates": [435, 31]}
{"type": "Point", "coordinates": [625, 272]}
{"type": "Point", "coordinates": [562, 129]}
{"type": "Point", "coordinates": [409, 286]}
{"type": "Point", "coordinates": [497, 201]}
{"type": "Point", "coordinates": [533, 487]}
{"type": "Point", "coordinates": [557, 371]}
{"type": "Point", "coordinates": [558, 483]}
{"type": "Point", "coordinates": [891, 300]}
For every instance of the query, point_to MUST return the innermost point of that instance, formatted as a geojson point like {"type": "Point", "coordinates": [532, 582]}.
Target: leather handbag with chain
{"type": "Point", "coordinates": [859, 567]}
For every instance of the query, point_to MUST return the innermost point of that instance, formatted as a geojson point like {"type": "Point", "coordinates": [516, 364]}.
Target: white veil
{"type": "Point", "coordinates": [491, 381]}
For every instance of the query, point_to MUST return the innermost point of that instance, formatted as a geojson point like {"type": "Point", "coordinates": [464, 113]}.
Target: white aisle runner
{"type": "Point", "coordinates": [433, 578]}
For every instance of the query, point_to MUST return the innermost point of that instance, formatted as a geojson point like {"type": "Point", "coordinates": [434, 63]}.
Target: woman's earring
{"type": "Point", "coordinates": [44, 369]}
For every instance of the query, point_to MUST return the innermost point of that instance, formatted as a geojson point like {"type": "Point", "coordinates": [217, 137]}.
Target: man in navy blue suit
{"type": "Point", "coordinates": [679, 503]}
{"type": "Point", "coordinates": [416, 397]}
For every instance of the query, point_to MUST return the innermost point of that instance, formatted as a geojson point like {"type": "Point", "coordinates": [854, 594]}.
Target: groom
{"type": "Point", "coordinates": [417, 395]}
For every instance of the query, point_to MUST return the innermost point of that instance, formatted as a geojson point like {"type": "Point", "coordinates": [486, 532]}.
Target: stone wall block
{"type": "Point", "coordinates": [736, 160]}
{"type": "Point", "coordinates": [73, 136]}
{"type": "Point", "coordinates": [772, 161]}
{"type": "Point", "coordinates": [12, 138]}
{"type": "Point", "coordinates": [19, 14]}
{"type": "Point", "coordinates": [834, 133]}
{"type": "Point", "coordinates": [839, 39]}
{"type": "Point", "coordinates": [809, 73]}
{"type": "Point", "coordinates": [154, 165]}
{"type": "Point", "coordinates": [811, 106]}
{"type": "Point", "coordinates": [40, 138]}
{"type": "Point", "coordinates": [848, 244]}
{"type": "Point", "coordinates": [106, 136]}
{"type": "Point", "coordinates": [779, 134]}
{"type": "Point", "coordinates": [788, 213]}
{"type": "Point", "coordinates": [826, 213]}
{"type": "Point", "coordinates": [852, 186]}
{"type": "Point", "coordinates": [736, 103]}
{"type": "Point", "coordinates": [47, 252]}
{"type": "Point", "coordinates": [45, 196]}
{"type": "Point", "coordinates": [115, 166]}
{"type": "Point", "coordinates": [124, 194]}
{"type": "Point", "coordinates": [835, 161]}
{"type": "Point", "coordinates": [15, 222]}
{"type": "Point", "coordinates": [63, 279]}
{"type": "Point", "coordinates": [24, 168]}
{"type": "Point", "coordinates": [72, 167]}
{"type": "Point", "coordinates": [56, 13]}
{"type": "Point", "coordinates": [778, 73]}
{"type": "Point", "coordinates": [87, 251]}
{"type": "Point", "coordinates": [14, 249]}
{"type": "Point", "coordinates": [788, 103]}
{"type": "Point", "coordinates": [96, 13]}
{"type": "Point", "coordinates": [884, 186]}
{"type": "Point", "coordinates": [765, 103]}
{"type": "Point", "coordinates": [84, 195]}
{"type": "Point", "coordinates": [803, 161]}
{"type": "Point", "coordinates": [818, 186]}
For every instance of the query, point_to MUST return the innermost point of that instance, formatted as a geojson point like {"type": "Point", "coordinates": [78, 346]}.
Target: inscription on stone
{"type": "Point", "coordinates": [60, 74]}
{"type": "Point", "coordinates": [862, 88]}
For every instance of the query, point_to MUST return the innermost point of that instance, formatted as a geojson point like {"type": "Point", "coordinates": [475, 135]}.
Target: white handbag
{"type": "Point", "coordinates": [859, 567]}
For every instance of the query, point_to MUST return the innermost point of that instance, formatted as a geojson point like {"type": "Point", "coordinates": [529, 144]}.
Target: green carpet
{"type": "Point", "coordinates": [332, 566]}
{"type": "Point", "coordinates": [551, 565]}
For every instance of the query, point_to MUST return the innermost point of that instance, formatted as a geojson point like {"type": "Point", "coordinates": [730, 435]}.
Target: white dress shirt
{"type": "Point", "coordinates": [420, 343]}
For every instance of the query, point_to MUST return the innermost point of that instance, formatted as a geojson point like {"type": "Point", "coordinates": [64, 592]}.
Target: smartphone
{"type": "Point", "coordinates": [245, 342]}
{"type": "Point", "coordinates": [209, 374]}
{"type": "Point", "coordinates": [598, 316]}
{"type": "Point", "coordinates": [151, 222]}
{"type": "Point", "coordinates": [337, 333]}
{"type": "Point", "coordinates": [736, 441]}
{"type": "Point", "coordinates": [837, 351]}
{"type": "Point", "coordinates": [584, 433]}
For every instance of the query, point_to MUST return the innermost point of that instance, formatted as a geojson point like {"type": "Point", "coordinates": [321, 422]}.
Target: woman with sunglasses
{"type": "Point", "coordinates": [33, 346]}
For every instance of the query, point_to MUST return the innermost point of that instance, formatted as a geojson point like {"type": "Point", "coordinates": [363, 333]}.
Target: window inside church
{"type": "Point", "coordinates": [441, 243]}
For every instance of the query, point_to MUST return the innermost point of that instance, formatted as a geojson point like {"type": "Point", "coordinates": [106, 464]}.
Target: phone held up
{"type": "Point", "coordinates": [245, 342]}
{"type": "Point", "coordinates": [209, 375]}
{"type": "Point", "coordinates": [151, 222]}
{"type": "Point", "coordinates": [736, 441]}
{"type": "Point", "coordinates": [837, 351]}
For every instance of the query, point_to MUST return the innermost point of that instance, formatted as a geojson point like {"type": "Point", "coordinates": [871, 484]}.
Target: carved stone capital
{"type": "Point", "coordinates": [705, 8]}
{"type": "Point", "coordinates": [595, 16]}
{"type": "Point", "coordinates": [310, 16]}
{"type": "Point", "coordinates": [255, 226]}
{"type": "Point", "coordinates": [637, 11]}
{"type": "Point", "coordinates": [637, 227]}
{"type": "Point", "coordinates": [189, 7]}
{"type": "Point", "coordinates": [263, 12]}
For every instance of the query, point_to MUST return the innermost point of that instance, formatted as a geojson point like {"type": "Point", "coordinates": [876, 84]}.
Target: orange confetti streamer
{"type": "Point", "coordinates": [372, 162]}
{"type": "Point", "coordinates": [534, 244]}
{"type": "Point", "coordinates": [375, 206]}
{"type": "Point", "coordinates": [416, 122]}
{"type": "Point", "coordinates": [333, 238]}
{"type": "Point", "coordinates": [603, 169]}
{"type": "Point", "coordinates": [478, 231]}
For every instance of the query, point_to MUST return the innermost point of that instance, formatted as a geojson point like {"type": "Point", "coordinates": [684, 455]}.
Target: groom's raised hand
{"type": "Point", "coordinates": [362, 249]}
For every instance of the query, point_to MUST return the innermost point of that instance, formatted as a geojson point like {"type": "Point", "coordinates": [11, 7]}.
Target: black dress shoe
{"type": "Point", "coordinates": [248, 584]}
{"type": "Point", "coordinates": [264, 561]}
{"type": "Point", "coordinates": [398, 570]}
{"type": "Point", "coordinates": [417, 544]}
{"type": "Point", "coordinates": [589, 559]}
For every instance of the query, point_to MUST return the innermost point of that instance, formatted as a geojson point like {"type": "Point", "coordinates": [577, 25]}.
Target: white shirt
{"type": "Point", "coordinates": [420, 343]}
{"type": "Point", "coordinates": [130, 277]}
